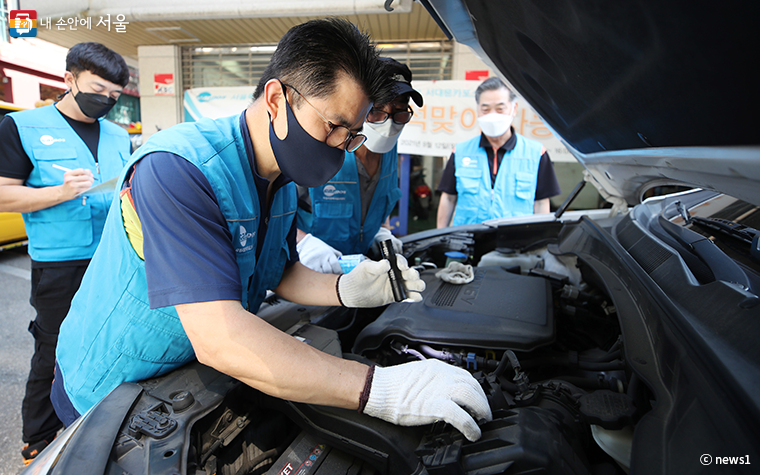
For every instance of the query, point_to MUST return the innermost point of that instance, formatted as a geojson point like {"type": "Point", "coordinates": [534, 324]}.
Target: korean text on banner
{"type": "Point", "coordinates": [449, 116]}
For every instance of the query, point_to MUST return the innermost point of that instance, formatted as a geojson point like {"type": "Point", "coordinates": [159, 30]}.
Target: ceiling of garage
{"type": "Point", "coordinates": [415, 25]}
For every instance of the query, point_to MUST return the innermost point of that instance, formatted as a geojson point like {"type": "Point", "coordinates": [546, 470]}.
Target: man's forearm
{"type": "Point", "coordinates": [445, 210]}
{"type": "Point", "coordinates": [302, 285]}
{"type": "Point", "coordinates": [18, 198]}
{"type": "Point", "coordinates": [240, 344]}
{"type": "Point", "coordinates": [542, 206]}
{"type": "Point", "coordinates": [24, 199]}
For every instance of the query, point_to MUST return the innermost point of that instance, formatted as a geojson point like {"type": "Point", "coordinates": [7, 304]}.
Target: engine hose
{"type": "Point", "coordinates": [438, 354]}
{"type": "Point", "coordinates": [502, 366]}
{"type": "Point", "coordinates": [565, 361]}
{"type": "Point", "coordinates": [513, 360]}
{"type": "Point", "coordinates": [508, 358]}
{"type": "Point", "coordinates": [607, 357]}
{"type": "Point", "coordinates": [415, 353]}
{"type": "Point", "coordinates": [606, 366]}
{"type": "Point", "coordinates": [507, 385]}
{"type": "Point", "coordinates": [405, 350]}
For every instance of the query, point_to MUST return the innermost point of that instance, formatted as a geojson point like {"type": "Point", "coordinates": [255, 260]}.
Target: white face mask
{"type": "Point", "coordinates": [495, 124]}
{"type": "Point", "coordinates": [382, 137]}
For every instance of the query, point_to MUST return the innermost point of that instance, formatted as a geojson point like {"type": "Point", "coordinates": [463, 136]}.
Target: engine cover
{"type": "Point", "coordinates": [497, 310]}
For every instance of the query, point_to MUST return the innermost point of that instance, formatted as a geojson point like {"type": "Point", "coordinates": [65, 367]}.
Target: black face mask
{"type": "Point", "coordinates": [94, 105]}
{"type": "Point", "coordinates": [302, 158]}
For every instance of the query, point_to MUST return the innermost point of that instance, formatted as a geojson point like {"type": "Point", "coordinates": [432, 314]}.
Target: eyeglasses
{"type": "Point", "coordinates": [338, 135]}
{"type": "Point", "coordinates": [377, 116]}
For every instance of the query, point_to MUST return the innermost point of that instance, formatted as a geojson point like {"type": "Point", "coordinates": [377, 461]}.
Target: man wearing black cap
{"type": "Point", "coordinates": [349, 214]}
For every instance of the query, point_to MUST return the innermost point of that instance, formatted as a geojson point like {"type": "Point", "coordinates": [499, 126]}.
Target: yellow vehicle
{"type": "Point", "coordinates": [12, 232]}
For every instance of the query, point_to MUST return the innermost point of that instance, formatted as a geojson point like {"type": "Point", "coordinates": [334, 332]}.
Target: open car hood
{"type": "Point", "coordinates": [643, 93]}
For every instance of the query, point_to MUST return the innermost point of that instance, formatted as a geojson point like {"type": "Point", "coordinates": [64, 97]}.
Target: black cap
{"type": "Point", "coordinates": [403, 77]}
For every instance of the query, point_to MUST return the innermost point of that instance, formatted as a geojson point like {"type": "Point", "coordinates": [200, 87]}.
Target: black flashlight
{"type": "Point", "coordinates": [397, 282]}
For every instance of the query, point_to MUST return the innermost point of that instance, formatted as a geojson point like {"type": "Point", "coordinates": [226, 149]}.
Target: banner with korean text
{"type": "Point", "coordinates": [450, 116]}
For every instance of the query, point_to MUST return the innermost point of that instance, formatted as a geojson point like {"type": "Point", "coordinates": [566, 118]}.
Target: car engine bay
{"type": "Point", "coordinates": [535, 329]}
{"type": "Point", "coordinates": [563, 325]}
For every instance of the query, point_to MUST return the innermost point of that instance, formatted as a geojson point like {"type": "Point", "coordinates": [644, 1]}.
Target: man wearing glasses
{"type": "Point", "coordinates": [350, 213]}
{"type": "Point", "coordinates": [205, 224]}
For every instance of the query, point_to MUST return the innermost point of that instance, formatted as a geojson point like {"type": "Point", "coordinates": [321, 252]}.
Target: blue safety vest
{"type": "Point", "coordinates": [337, 209]}
{"type": "Point", "coordinates": [111, 334]}
{"type": "Point", "coordinates": [70, 230]}
{"type": "Point", "coordinates": [514, 189]}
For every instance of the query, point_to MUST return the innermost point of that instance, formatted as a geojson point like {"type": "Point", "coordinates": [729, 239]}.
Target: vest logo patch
{"type": "Point", "coordinates": [49, 140]}
{"type": "Point", "coordinates": [469, 162]}
{"type": "Point", "coordinates": [329, 191]}
{"type": "Point", "coordinates": [244, 236]}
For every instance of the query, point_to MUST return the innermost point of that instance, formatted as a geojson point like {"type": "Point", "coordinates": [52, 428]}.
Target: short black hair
{"type": "Point", "coordinates": [97, 59]}
{"type": "Point", "coordinates": [310, 56]}
{"type": "Point", "coordinates": [492, 84]}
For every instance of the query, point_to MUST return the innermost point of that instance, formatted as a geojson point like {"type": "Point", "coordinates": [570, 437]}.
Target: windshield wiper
{"type": "Point", "coordinates": [747, 235]}
{"type": "Point", "coordinates": [729, 228]}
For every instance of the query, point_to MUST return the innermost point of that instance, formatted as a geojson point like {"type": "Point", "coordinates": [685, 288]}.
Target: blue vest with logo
{"type": "Point", "coordinates": [111, 334]}
{"type": "Point", "coordinates": [337, 209]}
{"type": "Point", "coordinates": [70, 230]}
{"type": "Point", "coordinates": [514, 189]}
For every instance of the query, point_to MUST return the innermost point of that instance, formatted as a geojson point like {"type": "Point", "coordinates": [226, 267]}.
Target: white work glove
{"type": "Point", "coordinates": [384, 234]}
{"type": "Point", "coordinates": [368, 285]}
{"type": "Point", "coordinates": [423, 392]}
{"type": "Point", "coordinates": [317, 255]}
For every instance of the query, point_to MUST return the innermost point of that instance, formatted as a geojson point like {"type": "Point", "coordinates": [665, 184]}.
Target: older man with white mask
{"type": "Point", "coordinates": [499, 173]}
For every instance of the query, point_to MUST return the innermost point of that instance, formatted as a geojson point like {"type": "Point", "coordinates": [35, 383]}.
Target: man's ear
{"type": "Point", "coordinates": [68, 79]}
{"type": "Point", "coordinates": [274, 98]}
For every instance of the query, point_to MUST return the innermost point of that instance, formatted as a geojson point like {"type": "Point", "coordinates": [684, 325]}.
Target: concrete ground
{"type": "Point", "coordinates": [15, 353]}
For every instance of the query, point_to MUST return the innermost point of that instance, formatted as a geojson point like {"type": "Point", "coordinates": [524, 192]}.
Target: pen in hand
{"type": "Point", "coordinates": [64, 169]}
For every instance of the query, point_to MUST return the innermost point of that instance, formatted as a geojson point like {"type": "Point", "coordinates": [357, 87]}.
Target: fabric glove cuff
{"type": "Point", "coordinates": [384, 400]}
